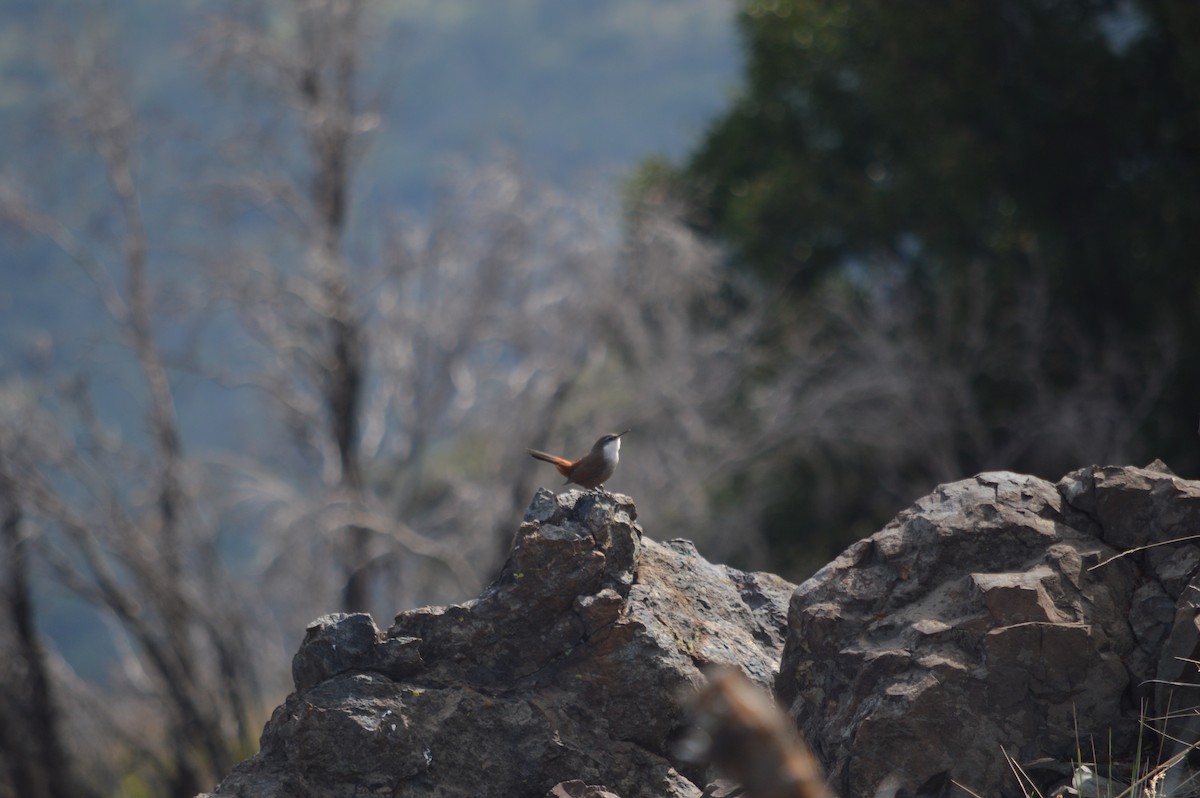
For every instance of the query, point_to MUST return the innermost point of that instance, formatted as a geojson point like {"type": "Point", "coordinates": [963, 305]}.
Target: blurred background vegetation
{"type": "Point", "coordinates": [291, 284]}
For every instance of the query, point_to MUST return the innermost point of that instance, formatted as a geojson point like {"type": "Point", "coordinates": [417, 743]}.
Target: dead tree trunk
{"type": "Point", "coordinates": [31, 745]}
{"type": "Point", "coordinates": [330, 45]}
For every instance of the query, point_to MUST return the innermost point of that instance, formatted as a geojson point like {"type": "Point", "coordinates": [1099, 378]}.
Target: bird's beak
{"type": "Point", "coordinates": [619, 435]}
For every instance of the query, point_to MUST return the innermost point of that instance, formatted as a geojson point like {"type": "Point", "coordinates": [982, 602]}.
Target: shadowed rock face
{"type": "Point", "coordinates": [985, 619]}
{"type": "Point", "coordinates": [564, 673]}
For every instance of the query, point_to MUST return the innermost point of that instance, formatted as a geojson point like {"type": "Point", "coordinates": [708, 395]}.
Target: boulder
{"type": "Point", "coordinates": [995, 619]}
{"type": "Point", "coordinates": [562, 678]}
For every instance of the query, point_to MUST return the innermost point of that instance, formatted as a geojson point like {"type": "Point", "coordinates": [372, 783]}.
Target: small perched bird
{"type": "Point", "coordinates": [594, 468]}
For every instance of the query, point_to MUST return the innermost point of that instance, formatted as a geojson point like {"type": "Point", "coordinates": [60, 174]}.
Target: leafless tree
{"type": "Point", "coordinates": [463, 342]}
{"type": "Point", "coordinates": [875, 397]}
{"type": "Point", "coordinates": [119, 526]}
{"type": "Point", "coordinates": [33, 756]}
{"type": "Point", "coordinates": [305, 307]}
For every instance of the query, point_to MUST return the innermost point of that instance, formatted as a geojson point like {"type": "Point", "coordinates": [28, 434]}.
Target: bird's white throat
{"type": "Point", "coordinates": [611, 450]}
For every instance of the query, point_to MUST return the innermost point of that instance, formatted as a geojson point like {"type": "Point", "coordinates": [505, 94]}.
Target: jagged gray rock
{"type": "Point", "coordinates": [564, 677]}
{"type": "Point", "coordinates": [992, 616]}
{"type": "Point", "coordinates": [1002, 613]}
{"type": "Point", "coordinates": [338, 643]}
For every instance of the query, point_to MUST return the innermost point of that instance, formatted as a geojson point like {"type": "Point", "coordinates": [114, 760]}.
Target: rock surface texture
{"type": "Point", "coordinates": [992, 616]}
{"type": "Point", "coordinates": [1002, 613]}
{"type": "Point", "coordinates": [563, 678]}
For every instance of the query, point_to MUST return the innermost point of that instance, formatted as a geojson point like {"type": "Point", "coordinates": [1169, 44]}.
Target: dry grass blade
{"type": "Point", "coordinates": [1136, 549]}
{"type": "Point", "coordinates": [1021, 776]}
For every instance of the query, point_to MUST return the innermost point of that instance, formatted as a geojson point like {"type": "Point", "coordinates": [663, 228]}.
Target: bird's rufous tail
{"type": "Point", "coordinates": [564, 466]}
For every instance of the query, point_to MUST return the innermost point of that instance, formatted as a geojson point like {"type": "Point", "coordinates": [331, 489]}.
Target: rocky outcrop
{"type": "Point", "coordinates": [992, 617]}
{"type": "Point", "coordinates": [564, 677]}
{"type": "Point", "coordinates": [1000, 616]}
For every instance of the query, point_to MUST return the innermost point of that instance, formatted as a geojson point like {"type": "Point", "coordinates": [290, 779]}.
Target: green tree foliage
{"type": "Point", "coordinates": [964, 153]}
{"type": "Point", "coordinates": [1006, 131]}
